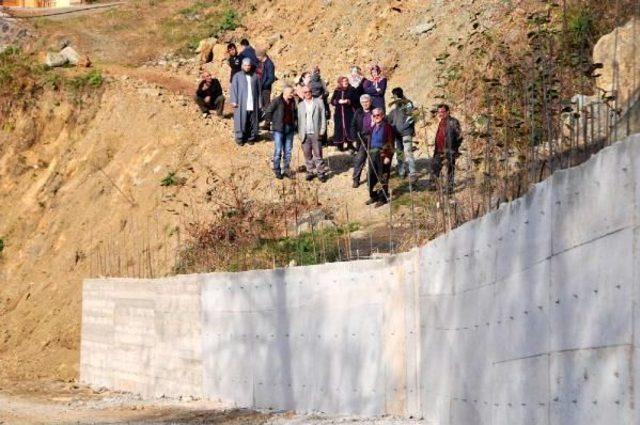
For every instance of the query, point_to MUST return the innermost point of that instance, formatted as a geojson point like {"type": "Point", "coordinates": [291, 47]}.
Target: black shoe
{"type": "Point", "coordinates": [240, 142]}
{"type": "Point", "coordinates": [323, 178]}
{"type": "Point", "coordinates": [310, 177]}
{"type": "Point", "coordinates": [380, 203]}
{"type": "Point", "coordinates": [279, 175]}
{"type": "Point", "coordinates": [356, 184]}
{"type": "Point", "coordinates": [287, 173]}
{"type": "Point", "coordinates": [251, 141]}
{"type": "Point", "coordinates": [371, 201]}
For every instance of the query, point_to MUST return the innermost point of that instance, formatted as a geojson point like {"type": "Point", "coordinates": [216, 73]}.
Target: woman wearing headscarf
{"type": "Point", "coordinates": [344, 99]}
{"type": "Point", "coordinates": [356, 79]}
{"type": "Point", "coordinates": [376, 87]}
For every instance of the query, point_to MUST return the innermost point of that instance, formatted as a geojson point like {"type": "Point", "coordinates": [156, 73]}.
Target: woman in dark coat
{"type": "Point", "coordinates": [356, 79]}
{"type": "Point", "coordinates": [376, 88]}
{"type": "Point", "coordinates": [344, 100]}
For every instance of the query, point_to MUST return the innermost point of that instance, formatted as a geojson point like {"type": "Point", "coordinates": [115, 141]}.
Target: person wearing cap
{"type": "Point", "coordinates": [376, 87]}
{"type": "Point", "coordinates": [209, 95]}
{"type": "Point", "coordinates": [266, 72]}
{"type": "Point", "coordinates": [402, 120]}
{"type": "Point", "coordinates": [245, 97]}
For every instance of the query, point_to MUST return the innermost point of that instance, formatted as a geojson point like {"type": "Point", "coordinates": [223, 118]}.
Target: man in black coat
{"type": "Point", "coordinates": [266, 71]}
{"type": "Point", "coordinates": [448, 141]}
{"type": "Point", "coordinates": [235, 60]}
{"type": "Point", "coordinates": [209, 96]}
{"type": "Point", "coordinates": [361, 125]}
{"type": "Point", "coordinates": [248, 52]}
{"type": "Point", "coordinates": [282, 113]}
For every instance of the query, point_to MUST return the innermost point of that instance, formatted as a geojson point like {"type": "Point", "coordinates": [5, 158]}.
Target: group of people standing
{"type": "Point", "coordinates": [361, 124]}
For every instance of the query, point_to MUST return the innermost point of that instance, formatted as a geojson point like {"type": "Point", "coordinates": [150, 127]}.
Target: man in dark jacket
{"type": "Point", "coordinates": [381, 149]}
{"type": "Point", "coordinates": [235, 60]}
{"type": "Point", "coordinates": [266, 71]}
{"type": "Point", "coordinates": [209, 96]}
{"type": "Point", "coordinates": [248, 52]}
{"type": "Point", "coordinates": [283, 115]}
{"type": "Point", "coordinates": [447, 145]}
{"type": "Point", "coordinates": [402, 120]}
{"type": "Point", "coordinates": [361, 128]}
{"type": "Point", "coordinates": [319, 90]}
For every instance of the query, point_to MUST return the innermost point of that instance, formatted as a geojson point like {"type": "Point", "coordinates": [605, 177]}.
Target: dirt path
{"type": "Point", "coordinates": [19, 410]}
{"type": "Point", "coordinates": [77, 405]}
{"type": "Point", "coordinates": [179, 84]}
{"type": "Point", "coordinates": [61, 12]}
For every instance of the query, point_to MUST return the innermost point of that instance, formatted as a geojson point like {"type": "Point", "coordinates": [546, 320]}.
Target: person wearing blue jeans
{"type": "Point", "coordinates": [282, 114]}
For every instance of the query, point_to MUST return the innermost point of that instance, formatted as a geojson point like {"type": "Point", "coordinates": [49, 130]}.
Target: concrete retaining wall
{"type": "Point", "coordinates": [528, 315]}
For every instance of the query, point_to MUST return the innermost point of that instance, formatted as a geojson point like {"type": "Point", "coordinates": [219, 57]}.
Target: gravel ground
{"type": "Point", "coordinates": [66, 404]}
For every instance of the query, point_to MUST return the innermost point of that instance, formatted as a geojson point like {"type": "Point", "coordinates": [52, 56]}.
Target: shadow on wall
{"type": "Point", "coordinates": [312, 341]}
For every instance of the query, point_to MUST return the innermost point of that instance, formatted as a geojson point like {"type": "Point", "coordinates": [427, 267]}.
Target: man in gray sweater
{"type": "Point", "coordinates": [312, 126]}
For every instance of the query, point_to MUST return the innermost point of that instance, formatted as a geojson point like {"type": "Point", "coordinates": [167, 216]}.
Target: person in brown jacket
{"type": "Point", "coordinates": [381, 149]}
{"type": "Point", "coordinates": [447, 146]}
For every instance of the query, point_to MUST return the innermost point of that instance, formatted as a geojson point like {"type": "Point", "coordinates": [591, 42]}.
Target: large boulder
{"type": "Point", "coordinates": [71, 55]}
{"type": "Point", "coordinates": [619, 48]}
{"type": "Point", "coordinates": [55, 59]}
{"type": "Point", "coordinates": [205, 49]}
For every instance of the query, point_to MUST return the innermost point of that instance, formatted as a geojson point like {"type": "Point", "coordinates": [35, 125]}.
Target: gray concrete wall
{"type": "Point", "coordinates": [143, 336]}
{"type": "Point", "coordinates": [528, 315]}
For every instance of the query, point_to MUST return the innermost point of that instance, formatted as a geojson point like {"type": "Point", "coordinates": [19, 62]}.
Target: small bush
{"type": "Point", "coordinates": [229, 20]}
{"type": "Point", "coordinates": [169, 180]}
{"type": "Point", "coordinates": [92, 79]}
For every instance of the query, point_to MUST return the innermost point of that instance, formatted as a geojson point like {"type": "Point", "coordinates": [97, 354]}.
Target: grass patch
{"type": "Point", "coordinates": [196, 22]}
{"type": "Point", "coordinates": [20, 76]}
{"type": "Point", "coordinates": [172, 179]}
{"type": "Point", "coordinates": [323, 246]}
{"type": "Point", "coordinates": [22, 79]}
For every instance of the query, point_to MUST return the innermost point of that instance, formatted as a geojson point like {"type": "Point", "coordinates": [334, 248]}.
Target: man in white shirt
{"type": "Point", "coordinates": [245, 99]}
